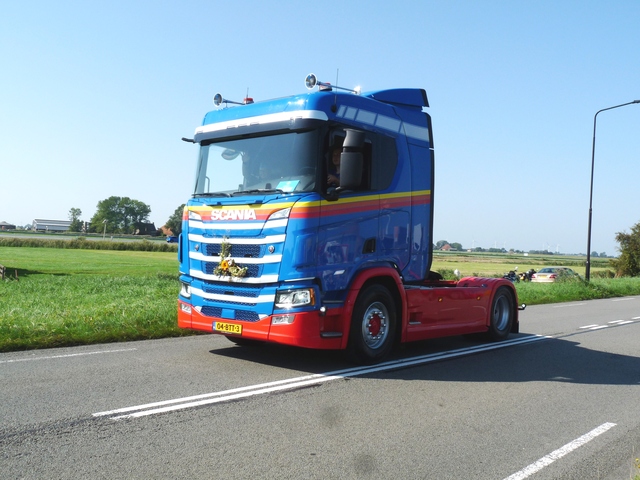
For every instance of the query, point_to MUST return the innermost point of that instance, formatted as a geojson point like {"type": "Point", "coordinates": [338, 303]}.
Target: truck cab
{"type": "Point", "coordinates": [312, 209]}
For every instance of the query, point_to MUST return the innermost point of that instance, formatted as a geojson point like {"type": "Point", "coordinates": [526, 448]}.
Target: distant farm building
{"type": "Point", "coordinates": [143, 228]}
{"type": "Point", "coordinates": [40, 225]}
{"type": "Point", "coordinates": [7, 226]}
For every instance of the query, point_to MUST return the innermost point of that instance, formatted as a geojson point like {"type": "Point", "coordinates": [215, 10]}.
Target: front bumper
{"type": "Point", "coordinates": [310, 329]}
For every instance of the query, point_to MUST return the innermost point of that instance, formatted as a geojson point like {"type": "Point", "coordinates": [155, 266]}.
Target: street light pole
{"type": "Point", "coordinates": [593, 156]}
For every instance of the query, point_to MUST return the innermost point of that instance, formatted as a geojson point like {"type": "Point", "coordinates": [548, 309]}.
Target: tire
{"type": "Point", "coordinates": [502, 315]}
{"type": "Point", "coordinates": [373, 325]}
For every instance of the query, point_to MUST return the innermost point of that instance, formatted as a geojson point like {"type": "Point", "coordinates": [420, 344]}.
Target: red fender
{"type": "Point", "coordinates": [494, 284]}
{"type": "Point", "coordinates": [358, 282]}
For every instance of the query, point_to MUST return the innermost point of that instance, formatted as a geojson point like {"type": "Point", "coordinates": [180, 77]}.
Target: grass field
{"type": "Point", "coordinates": [493, 264]}
{"type": "Point", "coordinates": [68, 297]}
{"type": "Point", "coordinates": [72, 297]}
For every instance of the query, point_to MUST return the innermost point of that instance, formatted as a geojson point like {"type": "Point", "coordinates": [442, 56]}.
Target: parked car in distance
{"type": "Point", "coordinates": [172, 239]}
{"type": "Point", "coordinates": [552, 274]}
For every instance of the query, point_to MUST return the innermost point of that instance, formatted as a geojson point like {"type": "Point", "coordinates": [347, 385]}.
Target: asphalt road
{"type": "Point", "coordinates": [561, 400]}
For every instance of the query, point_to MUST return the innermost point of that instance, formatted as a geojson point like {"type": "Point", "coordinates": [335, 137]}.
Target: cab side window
{"type": "Point", "coordinates": [384, 160]}
{"type": "Point", "coordinates": [379, 160]}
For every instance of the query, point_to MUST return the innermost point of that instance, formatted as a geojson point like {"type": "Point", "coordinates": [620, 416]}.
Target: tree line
{"type": "Point", "coordinates": [120, 215]}
{"type": "Point", "coordinates": [457, 247]}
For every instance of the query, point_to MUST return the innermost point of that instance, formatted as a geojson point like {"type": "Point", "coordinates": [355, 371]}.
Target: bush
{"type": "Point", "coordinates": [603, 274]}
{"type": "Point", "coordinates": [447, 274]}
{"type": "Point", "coordinates": [628, 264]}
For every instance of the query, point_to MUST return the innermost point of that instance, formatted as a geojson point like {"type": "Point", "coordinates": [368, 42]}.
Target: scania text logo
{"type": "Point", "coordinates": [233, 215]}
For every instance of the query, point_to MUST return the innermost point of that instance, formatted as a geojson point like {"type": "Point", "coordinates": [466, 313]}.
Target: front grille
{"type": "Point", "coordinates": [242, 315]}
{"type": "Point", "coordinates": [244, 291]}
{"type": "Point", "coordinates": [237, 251]}
{"type": "Point", "coordinates": [252, 270]}
{"type": "Point", "coordinates": [212, 311]}
{"type": "Point", "coordinates": [247, 316]}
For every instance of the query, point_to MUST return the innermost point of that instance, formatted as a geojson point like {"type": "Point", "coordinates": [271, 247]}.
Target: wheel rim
{"type": "Point", "coordinates": [501, 313]}
{"type": "Point", "coordinates": [375, 325]}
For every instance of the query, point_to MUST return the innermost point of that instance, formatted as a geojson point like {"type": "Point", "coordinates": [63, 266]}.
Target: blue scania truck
{"type": "Point", "coordinates": [310, 224]}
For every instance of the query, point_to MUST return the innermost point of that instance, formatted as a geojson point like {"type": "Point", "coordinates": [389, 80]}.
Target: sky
{"type": "Point", "coordinates": [96, 96]}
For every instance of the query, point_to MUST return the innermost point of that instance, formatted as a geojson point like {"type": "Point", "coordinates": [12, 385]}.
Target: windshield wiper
{"type": "Point", "coordinates": [258, 190]}
{"type": "Point", "coordinates": [211, 194]}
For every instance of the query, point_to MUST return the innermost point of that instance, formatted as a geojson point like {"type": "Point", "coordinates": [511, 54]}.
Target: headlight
{"type": "Point", "coordinates": [295, 298]}
{"type": "Point", "coordinates": [194, 216]}
{"type": "Point", "coordinates": [185, 290]}
{"type": "Point", "coordinates": [284, 213]}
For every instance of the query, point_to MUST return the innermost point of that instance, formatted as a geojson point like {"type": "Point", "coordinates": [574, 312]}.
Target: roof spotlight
{"type": "Point", "coordinates": [218, 100]}
{"type": "Point", "coordinates": [311, 81]}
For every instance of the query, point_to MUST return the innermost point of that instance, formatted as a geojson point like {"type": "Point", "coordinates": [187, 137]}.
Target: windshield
{"type": "Point", "coordinates": [285, 162]}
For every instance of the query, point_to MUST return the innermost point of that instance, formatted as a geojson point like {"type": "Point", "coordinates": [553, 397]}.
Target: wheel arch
{"type": "Point", "coordinates": [495, 284]}
{"type": "Point", "coordinates": [387, 277]}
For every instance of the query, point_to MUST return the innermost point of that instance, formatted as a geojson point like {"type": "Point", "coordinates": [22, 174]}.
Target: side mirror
{"type": "Point", "coordinates": [351, 165]}
{"type": "Point", "coordinates": [351, 160]}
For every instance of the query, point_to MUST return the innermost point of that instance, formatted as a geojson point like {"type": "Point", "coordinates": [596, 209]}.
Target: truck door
{"type": "Point", "coordinates": [349, 218]}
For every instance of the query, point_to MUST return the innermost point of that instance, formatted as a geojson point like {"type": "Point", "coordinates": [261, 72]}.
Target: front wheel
{"type": "Point", "coordinates": [373, 325]}
{"type": "Point", "coordinates": [502, 313]}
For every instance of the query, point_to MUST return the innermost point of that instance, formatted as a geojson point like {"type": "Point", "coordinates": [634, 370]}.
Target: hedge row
{"type": "Point", "coordinates": [84, 244]}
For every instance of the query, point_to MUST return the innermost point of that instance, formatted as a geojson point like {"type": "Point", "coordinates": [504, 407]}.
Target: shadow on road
{"type": "Point", "coordinates": [549, 359]}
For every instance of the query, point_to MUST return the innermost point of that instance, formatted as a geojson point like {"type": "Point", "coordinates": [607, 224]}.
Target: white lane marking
{"type": "Point", "coordinates": [635, 318]}
{"type": "Point", "coordinates": [622, 299]}
{"type": "Point", "coordinates": [53, 357]}
{"type": "Point", "coordinates": [565, 305]}
{"type": "Point", "coordinates": [298, 382]}
{"type": "Point", "coordinates": [561, 452]}
{"type": "Point", "coordinates": [613, 322]}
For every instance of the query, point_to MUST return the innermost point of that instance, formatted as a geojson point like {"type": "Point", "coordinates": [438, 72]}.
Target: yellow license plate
{"type": "Point", "coordinates": [224, 327]}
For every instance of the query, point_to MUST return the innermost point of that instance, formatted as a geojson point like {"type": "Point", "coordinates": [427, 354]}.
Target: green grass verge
{"type": "Point", "coordinates": [63, 310]}
{"type": "Point", "coordinates": [576, 290]}
{"type": "Point", "coordinates": [65, 297]}
{"type": "Point", "coordinates": [57, 297]}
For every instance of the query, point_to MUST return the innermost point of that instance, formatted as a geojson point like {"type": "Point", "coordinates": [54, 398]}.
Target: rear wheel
{"type": "Point", "coordinates": [373, 325]}
{"type": "Point", "coordinates": [502, 313]}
